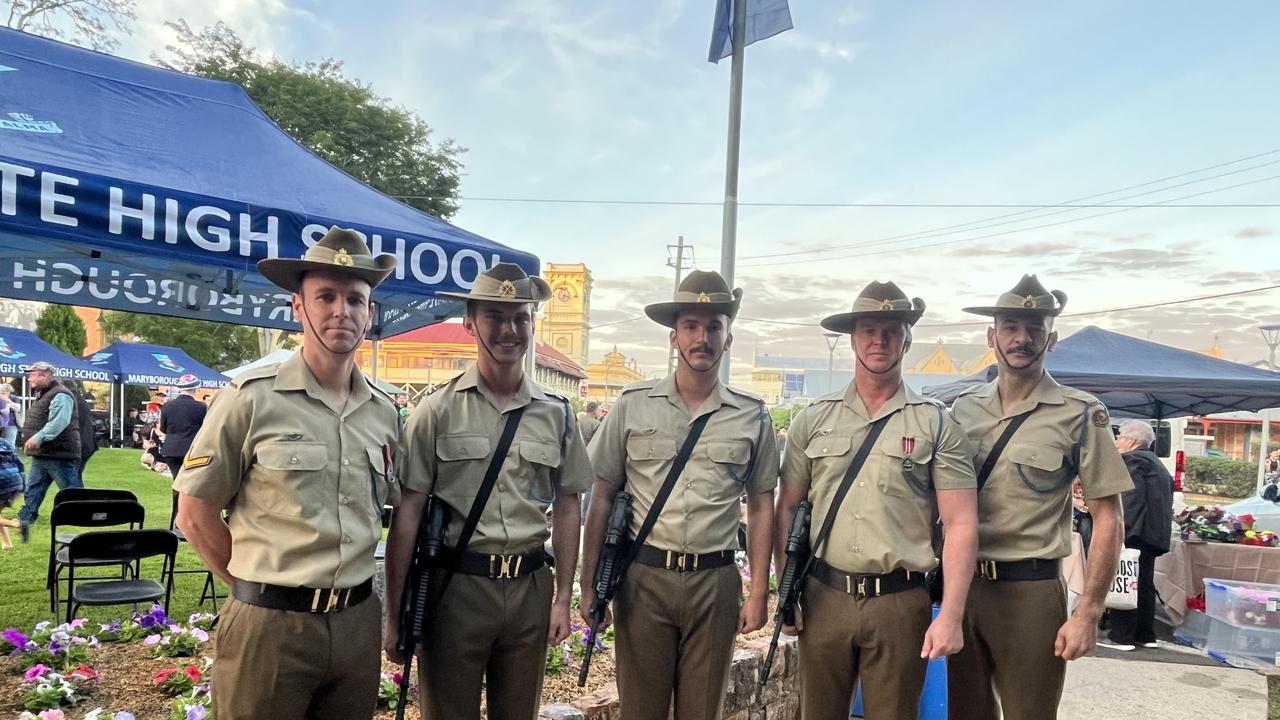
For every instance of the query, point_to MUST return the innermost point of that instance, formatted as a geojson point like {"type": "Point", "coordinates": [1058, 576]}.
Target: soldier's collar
{"type": "Point", "coordinates": [853, 401]}
{"type": "Point", "coordinates": [294, 374]}
{"type": "Point", "coordinates": [1047, 391]}
{"type": "Point", "coordinates": [667, 388]}
{"type": "Point", "coordinates": [471, 380]}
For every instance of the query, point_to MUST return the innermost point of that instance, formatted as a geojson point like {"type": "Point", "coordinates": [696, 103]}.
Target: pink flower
{"type": "Point", "coordinates": [193, 673]}
{"type": "Point", "coordinates": [151, 640]}
{"type": "Point", "coordinates": [164, 675]}
{"type": "Point", "coordinates": [86, 672]}
{"type": "Point", "coordinates": [53, 715]}
{"type": "Point", "coordinates": [34, 672]}
{"type": "Point", "coordinates": [200, 635]}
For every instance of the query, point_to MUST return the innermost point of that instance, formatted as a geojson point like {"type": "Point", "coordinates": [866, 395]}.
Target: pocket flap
{"type": "Point", "coordinates": [651, 448]}
{"type": "Point", "coordinates": [293, 455]}
{"type": "Point", "coordinates": [737, 452]}
{"type": "Point", "coordinates": [376, 462]}
{"type": "Point", "coordinates": [1036, 456]}
{"type": "Point", "coordinates": [542, 453]}
{"type": "Point", "coordinates": [462, 447]}
{"type": "Point", "coordinates": [828, 446]}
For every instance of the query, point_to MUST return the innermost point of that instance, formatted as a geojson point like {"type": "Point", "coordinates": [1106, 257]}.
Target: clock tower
{"type": "Point", "coordinates": [566, 317]}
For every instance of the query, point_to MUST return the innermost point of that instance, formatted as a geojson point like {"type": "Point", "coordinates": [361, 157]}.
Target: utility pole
{"type": "Point", "coordinates": [1271, 336]}
{"type": "Point", "coordinates": [678, 262]}
{"type": "Point", "coordinates": [729, 222]}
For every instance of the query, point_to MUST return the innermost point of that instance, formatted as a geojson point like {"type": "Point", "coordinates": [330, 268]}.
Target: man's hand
{"type": "Point", "coordinates": [793, 630]}
{"type": "Point", "coordinates": [33, 443]}
{"type": "Point", "coordinates": [944, 637]}
{"type": "Point", "coordinates": [589, 599]}
{"type": "Point", "coordinates": [559, 629]}
{"type": "Point", "coordinates": [390, 639]}
{"type": "Point", "coordinates": [1077, 637]}
{"type": "Point", "coordinates": [754, 613]}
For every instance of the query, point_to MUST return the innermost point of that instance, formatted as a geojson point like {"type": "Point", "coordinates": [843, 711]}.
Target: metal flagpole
{"type": "Point", "coordinates": [679, 265]}
{"type": "Point", "coordinates": [729, 225]}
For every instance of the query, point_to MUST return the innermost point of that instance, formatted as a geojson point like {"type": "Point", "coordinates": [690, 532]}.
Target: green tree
{"type": "Point", "coordinates": [337, 118]}
{"type": "Point", "coordinates": [81, 22]}
{"type": "Point", "coordinates": [59, 326]}
{"type": "Point", "coordinates": [221, 346]}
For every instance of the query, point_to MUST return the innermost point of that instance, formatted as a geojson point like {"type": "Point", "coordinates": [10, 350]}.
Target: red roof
{"type": "Point", "coordinates": [452, 333]}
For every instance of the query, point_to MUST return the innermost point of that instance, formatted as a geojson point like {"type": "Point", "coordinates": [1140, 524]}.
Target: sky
{"type": "Point", "coordinates": [922, 103]}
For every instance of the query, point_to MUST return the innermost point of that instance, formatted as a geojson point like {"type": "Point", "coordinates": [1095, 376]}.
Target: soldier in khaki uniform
{"type": "Point", "coordinates": [1018, 636]}
{"type": "Point", "coordinates": [501, 608]}
{"type": "Point", "coordinates": [681, 601]}
{"type": "Point", "coordinates": [864, 611]}
{"type": "Point", "coordinates": [300, 453]}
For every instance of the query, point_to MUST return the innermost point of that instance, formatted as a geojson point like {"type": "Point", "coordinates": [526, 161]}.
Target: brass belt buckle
{"type": "Point", "coordinates": [681, 561]}
{"type": "Point", "coordinates": [508, 566]}
{"type": "Point", "coordinates": [335, 597]}
{"type": "Point", "coordinates": [862, 587]}
{"type": "Point", "coordinates": [988, 568]}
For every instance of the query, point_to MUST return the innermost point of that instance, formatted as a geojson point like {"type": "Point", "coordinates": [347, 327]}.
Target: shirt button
{"type": "Point", "coordinates": [346, 538]}
{"type": "Point", "coordinates": [293, 460]}
{"type": "Point", "coordinates": [855, 517]}
{"type": "Point", "coordinates": [861, 484]}
{"type": "Point", "coordinates": [857, 549]}
{"type": "Point", "coordinates": [345, 461]}
{"type": "Point", "coordinates": [507, 523]}
{"type": "Point", "coordinates": [344, 499]}
{"type": "Point", "coordinates": [824, 449]}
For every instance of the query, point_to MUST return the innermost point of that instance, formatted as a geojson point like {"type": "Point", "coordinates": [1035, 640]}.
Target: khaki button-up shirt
{"type": "Point", "coordinates": [736, 454]}
{"type": "Point", "coordinates": [886, 520]}
{"type": "Point", "coordinates": [450, 438]}
{"type": "Point", "coordinates": [306, 485]}
{"type": "Point", "coordinates": [1024, 510]}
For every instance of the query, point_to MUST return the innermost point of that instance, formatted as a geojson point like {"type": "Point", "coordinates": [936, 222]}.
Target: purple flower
{"type": "Point", "coordinates": [15, 638]}
{"type": "Point", "coordinates": [196, 712]}
{"type": "Point", "coordinates": [200, 635]}
{"type": "Point", "coordinates": [55, 647]}
{"type": "Point", "coordinates": [34, 672]}
{"type": "Point", "coordinates": [122, 715]}
{"type": "Point", "coordinates": [147, 622]}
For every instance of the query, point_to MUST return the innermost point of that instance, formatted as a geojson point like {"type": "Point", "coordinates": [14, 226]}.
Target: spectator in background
{"type": "Point", "coordinates": [8, 414]}
{"type": "Point", "coordinates": [52, 429]}
{"type": "Point", "coordinates": [131, 437]}
{"type": "Point", "coordinates": [1148, 522]}
{"type": "Point", "coordinates": [180, 420]}
{"type": "Point", "coordinates": [402, 406]}
{"type": "Point", "coordinates": [88, 434]}
{"type": "Point", "coordinates": [11, 484]}
{"type": "Point", "coordinates": [588, 423]}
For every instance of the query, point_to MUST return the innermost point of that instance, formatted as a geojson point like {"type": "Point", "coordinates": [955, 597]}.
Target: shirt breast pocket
{"type": "Point", "coordinates": [541, 458]}
{"type": "Point", "coordinates": [461, 460]}
{"type": "Point", "coordinates": [829, 456]}
{"type": "Point", "coordinates": [730, 460]}
{"type": "Point", "coordinates": [380, 484]}
{"type": "Point", "coordinates": [1041, 468]}
{"type": "Point", "coordinates": [903, 473]}
{"type": "Point", "coordinates": [649, 454]}
{"type": "Point", "coordinates": [292, 478]}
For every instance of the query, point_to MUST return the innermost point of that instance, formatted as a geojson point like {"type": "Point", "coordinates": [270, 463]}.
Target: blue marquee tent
{"type": "Point", "coordinates": [1143, 379]}
{"type": "Point", "coordinates": [19, 349]}
{"type": "Point", "coordinates": [142, 364]}
{"type": "Point", "coordinates": [130, 187]}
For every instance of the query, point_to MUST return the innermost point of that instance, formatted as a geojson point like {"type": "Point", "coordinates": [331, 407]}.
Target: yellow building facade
{"type": "Point", "coordinates": [566, 318]}
{"type": "Point", "coordinates": [606, 379]}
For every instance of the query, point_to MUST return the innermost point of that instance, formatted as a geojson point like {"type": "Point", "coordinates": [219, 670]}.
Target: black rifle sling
{"type": "Point", "coordinates": [482, 495]}
{"type": "Point", "coordinates": [998, 448]}
{"type": "Point", "coordinates": [855, 467]}
{"type": "Point", "coordinates": [677, 467]}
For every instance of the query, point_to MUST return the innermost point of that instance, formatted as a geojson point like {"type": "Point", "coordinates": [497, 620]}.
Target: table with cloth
{"type": "Point", "coordinates": [1180, 574]}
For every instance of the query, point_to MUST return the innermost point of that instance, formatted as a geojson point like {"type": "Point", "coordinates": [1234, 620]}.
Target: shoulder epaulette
{"type": "Point", "coordinates": [745, 394]}
{"type": "Point", "coordinates": [830, 397]}
{"type": "Point", "coordinates": [639, 385]}
{"type": "Point", "coordinates": [258, 373]}
{"type": "Point", "coordinates": [378, 392]}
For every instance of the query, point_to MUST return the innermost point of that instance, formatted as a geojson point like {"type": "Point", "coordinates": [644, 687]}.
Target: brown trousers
{"type": "Point", "coordinates": [488, 635]}
{"type": "Point", "coordinates": [1007, 663]}
{"type": "Point", "coordinates": [878, 639]}
{"type": "Point", "coordinates": [675, 640]}
{"type": "Point", "coordinates": [288, 665]}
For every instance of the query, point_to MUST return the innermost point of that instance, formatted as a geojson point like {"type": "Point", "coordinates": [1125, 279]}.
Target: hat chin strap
{"type": "Point", "coordinates": [889, 369]}
{"type": "Point", "coordinates": [714, 366]}
{"type": "Point", "coordinates": [319, 338]}
{"type": "Point", "coordinates": [1005, 359]}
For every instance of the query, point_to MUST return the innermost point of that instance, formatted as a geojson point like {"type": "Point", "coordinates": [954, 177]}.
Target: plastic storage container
{"type": "Point", "coordinates": [1194, 630]}
{"type": "Point", "coordinates": [1259, 642]}
{"type": "Point", "coordinates": [1243, 603]}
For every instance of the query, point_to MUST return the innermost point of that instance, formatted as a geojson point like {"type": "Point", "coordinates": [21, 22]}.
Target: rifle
{"type": "Point", "coordinates": [793, 576]}
{"type": "Point", "coordinates": [610, 569]}
{"type": "Point", "coordinates": [418, 589]}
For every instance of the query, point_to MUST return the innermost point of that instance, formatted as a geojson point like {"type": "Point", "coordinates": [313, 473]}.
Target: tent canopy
{"type": "Point", "coordinates": [20, 349]}
{"type": "Point", "coordinates": [142, 364]}
{"type": "Point", "coordinates": [271, 358]}
{"type": "Point", "coordinates": [130, 187]}
{"type": "Point", "coordinates": [1143, 379]}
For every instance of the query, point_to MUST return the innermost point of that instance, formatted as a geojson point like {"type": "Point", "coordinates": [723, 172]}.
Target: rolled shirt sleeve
{"type": "Point", "coordinates": [59, 417]}
{"type": "Point", "coordinates": [217, 461]}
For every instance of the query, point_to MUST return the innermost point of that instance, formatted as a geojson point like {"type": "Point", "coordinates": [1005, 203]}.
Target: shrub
{"type": "Point", "coordinates": [1220, 476]}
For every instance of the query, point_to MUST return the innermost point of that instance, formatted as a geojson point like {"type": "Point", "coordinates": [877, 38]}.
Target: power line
{"type": "Point", "coordinates": [1087, 313]}
{"type": "Point", "coordinates": [905, 206]}
{"type": "Point", "coordinates": [1007, 232]}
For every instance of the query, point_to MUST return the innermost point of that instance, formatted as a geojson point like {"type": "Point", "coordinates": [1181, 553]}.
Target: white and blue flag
{"type": "Point", "coordinates": [765, 18]}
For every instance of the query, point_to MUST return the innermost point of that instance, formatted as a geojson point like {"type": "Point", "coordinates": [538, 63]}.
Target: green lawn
{"type": "Point", "coordinates": [24, 600]}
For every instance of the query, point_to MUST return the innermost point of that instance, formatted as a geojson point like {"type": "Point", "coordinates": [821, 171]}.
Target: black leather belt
{"type": "Point", "coordinates": [500, 567]}
{"type": "Point", "coordinates": [866, 585]}
{"type": "Point", "coordinates": [683, 562]}
{"type": "Point", "coordinates": [301, 599]}
{"type": "Point", "coordinates": [1019, 570]}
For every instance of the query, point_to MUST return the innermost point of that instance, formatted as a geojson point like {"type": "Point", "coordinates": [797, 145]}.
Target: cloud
{"type": "Point", "coordinates": [1253, 232]}
{"type": "Point", "coordinates": [1024, 250]}
{"type": "Point", "coordinates": [813, 94]}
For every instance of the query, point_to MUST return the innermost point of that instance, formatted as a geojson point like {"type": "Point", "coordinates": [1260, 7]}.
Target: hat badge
{"type": "Point", "coordinates": [886, 304]}
{"type": "Point", "coordinates": [1029, 301]}
{"type": "Point", "coordinates": [506, 289]}
{"type": "Point", "coordinates": [703, 297]}
{"type": "Point", "coordinates": [343, 258]}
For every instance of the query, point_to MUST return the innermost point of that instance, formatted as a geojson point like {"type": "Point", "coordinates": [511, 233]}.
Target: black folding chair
{"type": "Point", "coordinates": [83, 493]}
{"type": "Point", "coordinates": [125, 547]}
{"type": "Point", "coordinates": [86, 514]}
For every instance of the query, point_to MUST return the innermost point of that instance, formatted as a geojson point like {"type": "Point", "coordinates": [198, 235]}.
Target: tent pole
{"type": "Point", "coordinates": [374, 367]}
